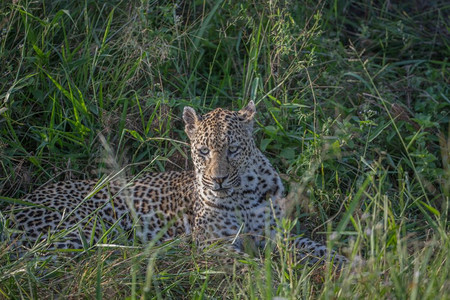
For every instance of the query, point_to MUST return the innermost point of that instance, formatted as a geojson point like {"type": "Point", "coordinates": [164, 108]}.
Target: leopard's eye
{"type": "Point", "coordinates": [204, 150]}
{"type": "Point", "coordinates": [233, 149]}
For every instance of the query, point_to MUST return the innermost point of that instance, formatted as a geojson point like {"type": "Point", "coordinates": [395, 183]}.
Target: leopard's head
{"type": "Point", "coordinates": [222, 147]}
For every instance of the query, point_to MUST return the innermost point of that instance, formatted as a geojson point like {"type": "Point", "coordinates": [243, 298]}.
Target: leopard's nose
{"type": "Point", "coordinates": [219, 180]}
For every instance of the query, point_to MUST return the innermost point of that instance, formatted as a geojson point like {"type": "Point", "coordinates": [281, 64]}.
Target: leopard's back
{"type": "Point", "coordinates": [159, 202]}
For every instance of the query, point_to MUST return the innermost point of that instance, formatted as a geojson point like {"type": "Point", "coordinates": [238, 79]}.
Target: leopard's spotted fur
{"type": "Point", "coordinates": [234, 193]}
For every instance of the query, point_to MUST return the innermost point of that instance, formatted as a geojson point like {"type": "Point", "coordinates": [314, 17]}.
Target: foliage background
{"type": "Point", "coordinates": [353, 109]}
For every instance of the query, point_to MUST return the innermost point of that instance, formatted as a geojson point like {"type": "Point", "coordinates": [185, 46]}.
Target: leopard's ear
{"type": "Point", "coordinates": [190, 120]}
{"type": "Point", "coordinates": [247, 114]}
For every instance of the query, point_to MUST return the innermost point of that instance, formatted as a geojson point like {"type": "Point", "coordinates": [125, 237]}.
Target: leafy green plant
{"type": "Point", "coordinates": [352, 101]}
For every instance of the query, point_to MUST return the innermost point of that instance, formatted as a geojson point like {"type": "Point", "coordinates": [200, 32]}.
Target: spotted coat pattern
{"type": "Point", "coordinates": [233, 196]}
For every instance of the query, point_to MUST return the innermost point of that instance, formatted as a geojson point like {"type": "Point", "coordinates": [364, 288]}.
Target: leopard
{"type": "Point", "coordinates": [233, 196]}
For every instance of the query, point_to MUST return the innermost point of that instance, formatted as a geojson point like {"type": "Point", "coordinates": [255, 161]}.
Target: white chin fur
{"type": "Point", "coordinates": [223, 193]}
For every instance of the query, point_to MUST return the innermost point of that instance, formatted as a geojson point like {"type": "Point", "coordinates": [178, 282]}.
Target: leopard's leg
{"type": "Point", "coordinates": [306, 249]}
{"type": "Point", "coordinates": [315, 252]}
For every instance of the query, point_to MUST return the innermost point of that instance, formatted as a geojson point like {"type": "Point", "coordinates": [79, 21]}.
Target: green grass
{"type": "Point", "coordinates": [353, 110]}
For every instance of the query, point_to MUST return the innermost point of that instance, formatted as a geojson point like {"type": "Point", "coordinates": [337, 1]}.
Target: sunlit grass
{"type": "Point", "coordinates": [352, 104]}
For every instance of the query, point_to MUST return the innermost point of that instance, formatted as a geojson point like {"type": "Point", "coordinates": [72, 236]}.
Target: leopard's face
{"type": "Point", "coordinates": [222, 147]}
